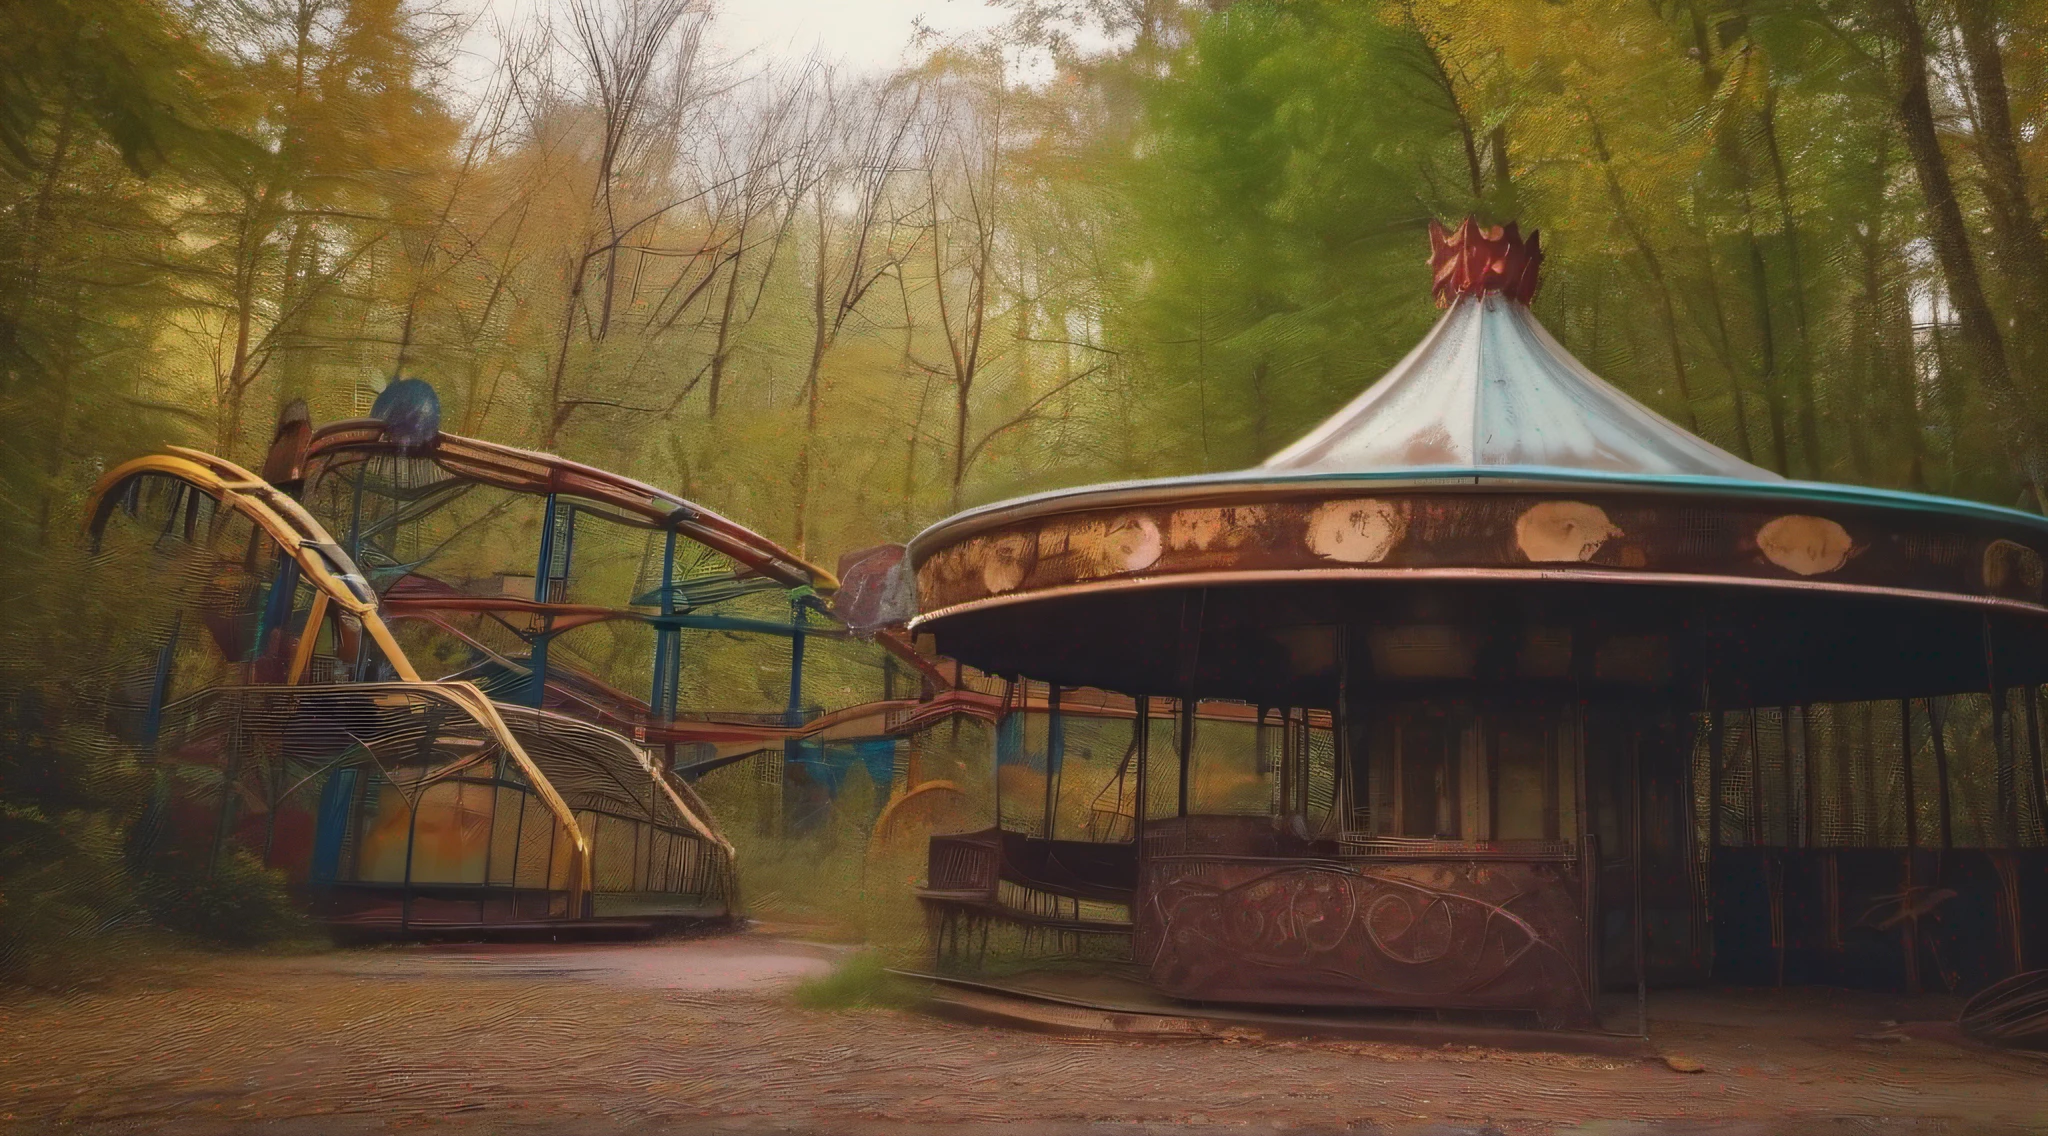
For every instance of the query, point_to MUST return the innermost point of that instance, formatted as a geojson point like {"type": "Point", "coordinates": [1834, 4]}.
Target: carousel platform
{"type": "Point", "coordinates": [1710, 1027]}
{"type": "Point", "coordinates": [1105, 1002]}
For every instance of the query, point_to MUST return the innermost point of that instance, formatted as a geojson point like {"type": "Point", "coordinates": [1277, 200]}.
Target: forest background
{"type": "Point", "coordinates": [1113, 238]}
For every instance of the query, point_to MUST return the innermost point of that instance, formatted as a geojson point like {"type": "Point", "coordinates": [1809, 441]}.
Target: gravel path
{"type": "Point", "coordinates": [702, 1036]}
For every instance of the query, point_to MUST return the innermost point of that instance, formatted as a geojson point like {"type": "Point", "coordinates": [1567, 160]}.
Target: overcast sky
{"type": "Point", "coordinates": [864, 35]}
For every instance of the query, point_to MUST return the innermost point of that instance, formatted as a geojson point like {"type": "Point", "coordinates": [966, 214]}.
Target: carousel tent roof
{"type": "Point", "coordinates": [1488, 387]}
{"type": "Point", "coordinates": [1490, 476]}
{"type": "Point", "coordinates": [1490, 397]}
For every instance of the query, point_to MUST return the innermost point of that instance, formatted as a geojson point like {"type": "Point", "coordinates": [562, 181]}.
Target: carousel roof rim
{"type": "Point", "coordinates": [1242, 483]}
{"type": "Point", "coordinates": [1356, 574]}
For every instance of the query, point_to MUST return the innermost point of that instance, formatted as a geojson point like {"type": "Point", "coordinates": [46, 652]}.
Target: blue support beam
{"type": "Point", "coordinates": [668, 642]}
{"type": "Point", "coordinates": [537, 683]}
{"type": "Point", "coordinates": [797, 619]}
{"type": "Point", "coordinates": [546, 562]}
{"type": "Point", "coordinates": [537, 659]}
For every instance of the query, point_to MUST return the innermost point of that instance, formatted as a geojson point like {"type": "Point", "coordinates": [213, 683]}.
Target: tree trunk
{"type": "Point", "coordinates": [959, 440]}
{"type": "Point", "coordinates": [2022, 256]}
{"type": "Point", "coordinates": [719, 348]}
{"type": "Point", "coordinates": [1788, 227]}
{"type": "Point", "coordinates": [1951, 239]}
{"type": "Point", "coordinates": [820, 340]}
{"type": "Point", "coordinates": [1655, 267]}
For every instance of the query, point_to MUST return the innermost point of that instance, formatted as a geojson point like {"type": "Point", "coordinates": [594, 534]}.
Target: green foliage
{"type": "Point", "coordinates": [860, 981]}
{"type": "Point", "coordinates": [1290, 160]}
{"type": "Point", "coordinates": [940, 287]}
{"type": "Point", "coordinates": [238, 902]}
{"type": "Point", "coordinates": [64, 887]}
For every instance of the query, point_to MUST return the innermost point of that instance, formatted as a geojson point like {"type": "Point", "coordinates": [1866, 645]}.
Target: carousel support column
{"type": "Point", "coordinates": [1757, 830]}
{"type": "Point", "coordinates": [1713, 785]}
{"type": "Point", "coordinates": [1186, 746]}
{"type": "Point", "coordinates": [1288, 799]}
{"type": "Point", "coordinates": [1909, 930]}
{"type": "Point", "coordinates": [1759, 823]}
{"type": "Point", "coordinates": [1589, 846]}
{"type": "Point", "coordinates": [1635, 840]}
{"type": "Point", "coordinates": [1785, 773]}
{"type": "Point", "coordinates": [1934, 724]}
{"type": "Point", "coordinates": [1906, 749]}
{"type": "Point", "coordinates": [1142, 725]}
{"type": "Point", "coordinates": [2034, 781]}
{"type": "Point", "coordinates": [1806, 775]}
{"type": "Point", "coordinates": [1278, 769]}
{"type": "Point", "coordinates": [2007, 775]}
{"type": "Point", "coordinates": [996, 766]}
{"type": "Point", "coordinates": [1191, 615]}
{"type": "Point", "coordinates": [1340, 738]}
{"type": "Point", "coordinates": [1055, 752]}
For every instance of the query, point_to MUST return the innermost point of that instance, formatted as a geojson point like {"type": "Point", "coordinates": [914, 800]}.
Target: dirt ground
{"type": "Point", "coordinates": [703, 1036]}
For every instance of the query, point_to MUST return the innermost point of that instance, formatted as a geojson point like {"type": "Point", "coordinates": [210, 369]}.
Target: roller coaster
{"type": "Point", "coordinates": [453, 686]}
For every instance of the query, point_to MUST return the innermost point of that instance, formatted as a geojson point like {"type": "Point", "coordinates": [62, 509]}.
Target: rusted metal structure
{"type": "Point", "coordinates": [1605, 705]}
{"type": "Point", "coordinates": [556, 584]}
{"type": "Point", "coordinates": [282, 719]}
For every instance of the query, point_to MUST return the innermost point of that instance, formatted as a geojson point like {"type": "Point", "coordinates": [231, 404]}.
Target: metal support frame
{"type": "Point", "coordinates": [537, 656]}
{"type": "Point", "coordinates": [1906, 749]}
{"type": "Point", "coordinates": [1055, 754]}
{"type": "Point", "coordinates": [1341, 773]}
{"type": "Point", "coordinates": [798, 619]}
{"type": "Point", "coordinates": [2007, 797]}
{"type": "Point", "coordinates": [2034, 778]}
{"type": "Point", "coordinates": [1934, 724]}
{"type": "Point", "coordinates": [1635, 840]}
{"type": "Point", "coordinates": [537, 660]}
{"type": "Point", "coordinates": [1142, 726]}
{"type": "Point", "coordinates": [668, 643]}
{"type": "Point", "coordinates": [1190, 660]}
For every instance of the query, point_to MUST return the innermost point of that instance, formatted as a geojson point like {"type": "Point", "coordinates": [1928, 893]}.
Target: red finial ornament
{"type": "Point", "coordinates": [1471, 261]}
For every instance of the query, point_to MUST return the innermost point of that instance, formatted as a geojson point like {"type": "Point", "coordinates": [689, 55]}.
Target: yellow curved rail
{"type": "Point", "coordinates": [322, 562]}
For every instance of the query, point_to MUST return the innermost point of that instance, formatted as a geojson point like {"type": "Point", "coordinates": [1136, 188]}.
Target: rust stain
{"type": "Point", "coordinates": [2012, 568]}
{"type": "Point", "coordinates": [1361, 531]}
{"type": "Point", "coordinates": [1806, 546]}
{"type": "Point", "coordinates": [1226, 527]}
{"type": "Point", "coordinates": [1563, 531]}
{"type": "Point", "coordinates": [1107, 546]}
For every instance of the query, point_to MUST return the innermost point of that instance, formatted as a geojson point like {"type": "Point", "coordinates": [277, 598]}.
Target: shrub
{"type": "Point", "coordinates": [238, 903]}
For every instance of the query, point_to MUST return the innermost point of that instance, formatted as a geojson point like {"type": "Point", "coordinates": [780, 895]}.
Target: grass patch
{"type": "Point", "coordinates": [861, 981]}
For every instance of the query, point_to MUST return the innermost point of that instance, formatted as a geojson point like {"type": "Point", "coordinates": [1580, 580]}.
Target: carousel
{"type": "Point", "coordinates": [1567, 701]}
